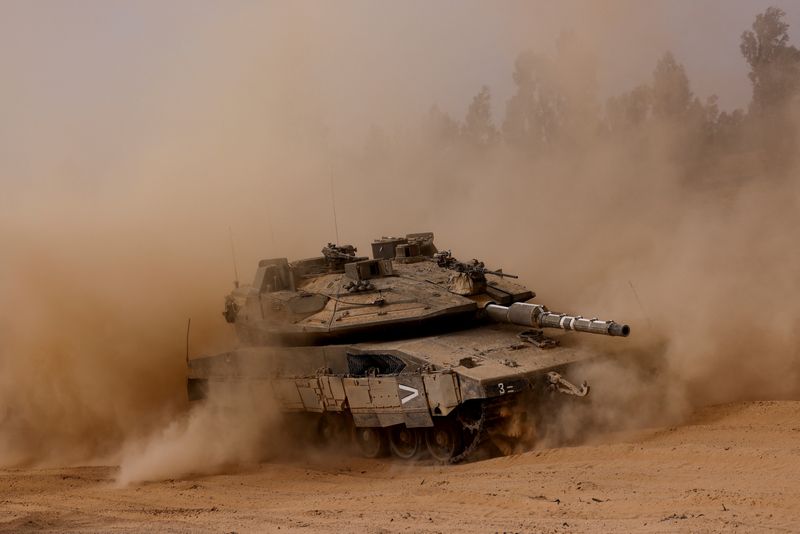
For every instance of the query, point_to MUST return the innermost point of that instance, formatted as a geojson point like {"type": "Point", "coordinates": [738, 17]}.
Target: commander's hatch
{"type": "Point", "coordinates": [360, 273]}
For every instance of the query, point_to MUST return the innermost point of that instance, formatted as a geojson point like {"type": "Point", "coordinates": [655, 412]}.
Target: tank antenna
{"type": "Point", "coordinates": [641, 307]}
{"type": "Point", "coordinates": [271, 228]}
{"type": "Point", "coordinates": [233, 254]}
{"type": "Point", "coordinates": [333, 203]}
{"type": "Point", "coordinates": [188, 328]}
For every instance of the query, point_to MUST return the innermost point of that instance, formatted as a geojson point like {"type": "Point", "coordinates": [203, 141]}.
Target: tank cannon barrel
{"type": "Point", "coordinates": [539, 316]}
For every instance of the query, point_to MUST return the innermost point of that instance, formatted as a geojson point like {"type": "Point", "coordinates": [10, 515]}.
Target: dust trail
{"type": "Point", "coordinates": [230, 429]}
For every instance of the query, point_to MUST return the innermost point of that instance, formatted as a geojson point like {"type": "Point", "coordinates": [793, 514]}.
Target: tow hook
{"type": "Point", "coordinates": [559, 384]}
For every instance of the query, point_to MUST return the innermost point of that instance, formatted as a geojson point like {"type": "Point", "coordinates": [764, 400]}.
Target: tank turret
{"type": "Point", "coordinates": [411, 351]}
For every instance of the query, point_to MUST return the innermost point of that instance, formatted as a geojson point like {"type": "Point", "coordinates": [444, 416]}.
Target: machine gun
{"type": "Point", "coordinates": [475, 269]}
{"type": "Point", "coordinates": [337, 255]}
{"type": "Point", "coordinates": [339, 252]}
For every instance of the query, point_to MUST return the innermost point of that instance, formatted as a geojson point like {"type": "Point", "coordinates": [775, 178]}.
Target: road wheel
{"type": "Point", "coordinates": [332, 428]}
{"type": "Point", "coordinates": [444, 440]}
{"type": "Point", "coordinates": [406, 443]}
{"type": "Point", "coordinates": [371, 441]}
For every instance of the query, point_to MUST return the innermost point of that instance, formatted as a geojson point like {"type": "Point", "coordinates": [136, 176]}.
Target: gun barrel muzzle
{"type": "Point", "coordinates": [525, 314]}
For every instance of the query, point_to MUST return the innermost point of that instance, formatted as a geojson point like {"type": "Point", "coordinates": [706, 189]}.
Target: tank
{"type": "Point", "coordinates": [410, 352]}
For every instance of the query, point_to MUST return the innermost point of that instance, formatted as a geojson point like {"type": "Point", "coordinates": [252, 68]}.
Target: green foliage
{"type": "Point", "coordinates": [774, 64]}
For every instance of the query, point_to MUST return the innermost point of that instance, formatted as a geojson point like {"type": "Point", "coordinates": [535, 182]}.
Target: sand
{"type": "Point", "coordinates": [731, 468]}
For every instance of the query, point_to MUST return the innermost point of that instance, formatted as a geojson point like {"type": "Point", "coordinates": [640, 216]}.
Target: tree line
{"type": "Point", "coordinates": [555, 105]}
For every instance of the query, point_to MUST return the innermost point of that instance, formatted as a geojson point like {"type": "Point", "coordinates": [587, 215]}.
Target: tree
{"type": "Point", "coordinates": [775, 75]}
{"type": "Point", "coordinates": [774, 64]}
{"type": "Point", "coordinates": [672, 96]}
{"type": "Point", "coordinates": [729, 130]}
{"type": "Point", "coordinates": [478, 127]}
{"type": "Point", "coordinates": [532, 113]}
{"type": "Point", "coordinates": [629, 110]}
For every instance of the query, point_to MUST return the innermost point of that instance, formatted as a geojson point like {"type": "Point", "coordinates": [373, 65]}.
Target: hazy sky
{"type": "Point", "coordinates": [107, 77]}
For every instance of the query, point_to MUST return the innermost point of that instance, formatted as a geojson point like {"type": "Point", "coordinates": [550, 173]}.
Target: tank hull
{"type": "Point", "coordinates": [418, 383]}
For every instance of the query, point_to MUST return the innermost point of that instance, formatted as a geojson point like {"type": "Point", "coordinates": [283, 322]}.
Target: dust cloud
{"type": "Point", "coordinates": [233, 427]}
{"type": "Point", "coordinates": [120, 185]}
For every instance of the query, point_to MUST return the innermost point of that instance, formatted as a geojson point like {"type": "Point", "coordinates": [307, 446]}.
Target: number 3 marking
{"type": "Point", "coordinates": [502, 388]}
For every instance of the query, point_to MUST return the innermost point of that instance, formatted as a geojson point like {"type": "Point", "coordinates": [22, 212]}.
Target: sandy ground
{"type": "Point", "coordinates": [732, 468]}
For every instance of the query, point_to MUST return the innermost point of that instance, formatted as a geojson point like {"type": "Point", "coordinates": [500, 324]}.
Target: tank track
{"type": "Point", "coordinates": [491, 413]}
{"type": "Point", "coordinates": [479, 423]}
